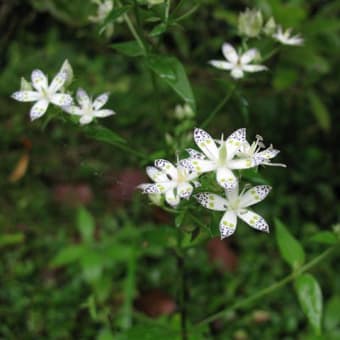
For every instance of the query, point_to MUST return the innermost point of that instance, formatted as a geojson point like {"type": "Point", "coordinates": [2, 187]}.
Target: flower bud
{"type": "Point", "coordinates": [269, 27]}
{"type": "Point", "coordinates": [184, 111]}
{"type": "Point", "coordinates": [67, 68]}
{"type": "Point", "coordinates": [154, 2]}
{"type": "Point", "coordinates": [250, 23]}
{"type": "Point", "coordinates": [25, 85]}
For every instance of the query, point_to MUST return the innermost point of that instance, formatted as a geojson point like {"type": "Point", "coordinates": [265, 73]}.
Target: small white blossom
{"type": "Point", "coordinates": [236, 205]}
{"type": "Point", "coordinates": [44, 94]}
{"type": "Point", "coordinates": [225, 157]}
{"type": "Point", "coordinates": [174, 182]}
{"type": "Point", "coordinates": [104, 9]}
{"type": "Point", "coordinates": [88, 110]}
{"type": "Point", "coordinates": [284, 37]}
{"type": "Point", "coordinates": [238, 63]}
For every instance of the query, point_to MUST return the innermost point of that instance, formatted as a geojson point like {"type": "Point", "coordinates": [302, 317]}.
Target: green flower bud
{"type": "Point", "coordinates": [250, 23]}
{"type": "Point", "coordinates": [25, 85]}
{"type": "Point", "coordinates": [67, 68]}
{"type": "Point", "coordinates": [269, 27]}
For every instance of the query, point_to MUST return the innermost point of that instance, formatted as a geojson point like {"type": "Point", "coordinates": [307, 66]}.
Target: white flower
{"type": "Point", "coordinates": [257, 154]}
{"type": "Point", "coordinates": [222, 159]}
{"type": "Point", "coordinates": [173, 182]}
{"type": "Point", "coordinates": [236, 205]}
{"type": "Point", "coordinates": [44, 94]}
{"type": "Point", "coordinates": [88, 110]}
{"type": "Point", "coordinates": [284, 37]}
{"type": "Point", "coordinates": [238, 64]}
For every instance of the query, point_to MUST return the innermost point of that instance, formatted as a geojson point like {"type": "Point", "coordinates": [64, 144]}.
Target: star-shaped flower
{"type": "Point", "coordinates": [236, 205]}
{"type": "Point", "coordinates": [88, 110]}
{"type": "Point", "coordinates": [238, 63]}
{"type": "Point", "coordinates": [172, 181]}
{"type": "Point", "coordinates": [284, 37]}
{"type": "Point", "coordinates": [222, 159]}
{"type": "Point", "coordinates": [44, 94]}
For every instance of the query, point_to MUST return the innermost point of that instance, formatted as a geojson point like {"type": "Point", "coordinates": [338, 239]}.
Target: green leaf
{"type": "Point", "coordinates": [325, 237]}
{"type": "Point", "coordinates": [114, 15]}
{"type": "Point", "coordinates": [103, 134]}
{"type": "Point", "coordinates": [332, 309]}
{"type": "Point", "coordinates": [85, 224]}
{"type": "Point", "coordinates": [11, 239]}
{"type": "Point", "coordinates": [290, 249]}
{"type": "Point", "coordinates": [310, 298]}
{"type": "Point", "coordinates": [159, 29]}
{"type": "Point", "coordinates": [148, 332]}
{"type": "Point", "coordinates": [68, 254]}
{"type": "Point", "coordinates": [92, 265]}
{"type": "Point", "coordinates": [320, 111]}
{"type": "Point", "coordinates": [171, 70]}
{"type": "Point", "coordinates": [105, 334]}
{"type": "Point", "coordinates": [129, 48]}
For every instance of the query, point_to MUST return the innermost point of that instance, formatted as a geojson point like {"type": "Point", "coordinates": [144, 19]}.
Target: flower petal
{"type": "Point", "coordinates": [254, 195]}
{"type": "Point", "coordinates": [254, 68]}
{"type": "Point", "coordinates": [58, 81]}
{"type": "Point", "coordinates": [39, 80]}
{"type": "Point", "coordinates": [202, 165]}
{"type": "Point", "coordinates": [172, 198]}
{"type": "Point", "coordinates": [237, 73]}
{"type": "Point", "coordinates": [85, 119]}
{"type": "Point", "coordinates": [223, 65]}
{"type": "Point", "coordinates": [73, 110]}
{"type": "Point", "coordinates": [156, 175]}
{"type": "Point", "coordinates": [104, 113]}
{"type": "Point", "coordinates": [38, 109]}
{"type": "Point", "coordinates": [226, 179]}
{"type": "Point", "coordinates": [254, 220]}
{"type": "Point", "coordinates": [246, 163]}
{"type": "Point", "coordinates": [184, 190]}
{"type": "Point", "coordinates": [228, 224]}
{"type": "Point", "coordinates": [205, 142]}
{"type": "Point", "coordinates": [148, 188]}
{"type": "Point", "coordinates": [229, 53]}
{"type": "Point", "coordinates": [248, 56]}
{"type": "Point", "coordinates": [26, 96]}
{"type": "Point", "coordinates": [61, 99]}
{"type": "Point", "coordinates": [234, 142]}
{"type": "Point", "coordinates": [82, 98]}
{"type": "Point", "coordinates": [269, 153]}
{"type": "Point", "coordinates": [100, 101]}
{"type": "Point", "coordinates": [167, 167]}
{"type": "Point", "coordinates": [195, 154]}
{"type": "Point", "coordinates": [212, 201]}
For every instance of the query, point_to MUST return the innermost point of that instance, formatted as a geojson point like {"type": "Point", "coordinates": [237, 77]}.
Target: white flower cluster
{"type": "Point", "coordinates": [43, 94]}
{"type": "Point", "coordinates": [222, 157]}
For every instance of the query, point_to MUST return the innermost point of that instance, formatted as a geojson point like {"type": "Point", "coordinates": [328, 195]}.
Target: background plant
{"type": "Point", "coordinates": [128, 248]}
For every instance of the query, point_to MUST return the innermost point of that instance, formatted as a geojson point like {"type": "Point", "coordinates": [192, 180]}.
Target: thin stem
{"type": "Point", "coordinates": [218, 107]}
{"type": "Point", "coordinates": [167, 10]}
{"type": "Point", "coordinates": [270, 289]}
{"type": "Point", "coordinates": [130, 150]}
{"type": "Point", "coordinates": [183, 288]}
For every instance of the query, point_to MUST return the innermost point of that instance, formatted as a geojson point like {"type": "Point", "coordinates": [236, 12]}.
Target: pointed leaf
{"type": "Point", "coordinates": [290, 249]}
{"type": "Point", "coordinates": [310, 298]}
{"type": "Point", "coordinates": [85, 224]}
{"type": "Point", "coordinates": [173, 73]}
{"type": "Point", "coordinates": [129, 48]}
{"type": "Point", "coordinates": [103, 134]}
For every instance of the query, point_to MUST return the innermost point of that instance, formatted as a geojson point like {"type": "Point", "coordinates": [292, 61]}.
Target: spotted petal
{"type": "Point", "coordinates": [228, 224]}
{"type": "Point", "coordinates": [26, 96]}
{"type": "Point", "coordinates": [100, 101]}
{"type": "Point", "coordinates": [39, 80]}
{"type": "Point", "coordinates": [234, 142]}
{"type": "Point", "coordinates": [254, 195]}
{"type": "Point", "coordinates": [205, 142]}
{"type": "Point", "coordinates": [184, 190]}
{"type": "Point", "coordinates": [223, 65]}
{"type": "Point", "coordinates": [254, 220]}
{"type": "Point", "coordinates": [167, 168]}
{"type": "Point", "coordinates": [61, 99]}
{"type": "Point", "coordinates": [172, 198]}
{"type": "Point", "coordinates": [38, 109]}
{"type": "Point", "coordinates": [226, 179]}
{"type": "Point", "coordinates": [156, 188]}
{"type": "Point", "coordinates": [195, 154]}
{"type": "Point", "coordinates": [202, 165]}
{"type": "Point", "coordinates": [82, 98]}
{"type": "Point", "coordinates": [58, 81]}
{"type": "Point", "coordinates": [246, 163]}
{"type": "Point", "coordinates": [230, 53]}
{"type": "Point", "coordinates": [212, 201]}
{"type": "Point", "coordinates": [269, 153]}
{"type": "Point", "coordinates": [156, 175]}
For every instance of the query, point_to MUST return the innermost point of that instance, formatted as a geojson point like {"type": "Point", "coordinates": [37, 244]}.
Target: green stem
{"type": "Point", "coordinates": [183, 288]}
{"type": "Point", "coordinates": [218, 107]}
{"type": "Point", "coordinates": [269, 289]}
{"type": "Point", "coordinates": [167, 10]}
{"type": "Point", "coordinates": [134, 152]}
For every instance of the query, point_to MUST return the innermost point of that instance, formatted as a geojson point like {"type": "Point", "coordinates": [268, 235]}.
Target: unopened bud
{"type": "Point", "coordinates": [270, 27]}
{"type": "Point", "coordinates": [250, 23]}
{"type": "Point", "coordinates": [25, 85]}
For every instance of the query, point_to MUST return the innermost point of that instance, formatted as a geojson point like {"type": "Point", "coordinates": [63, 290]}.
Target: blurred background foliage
{"type": "Point", "coordinates": [109, 271]}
